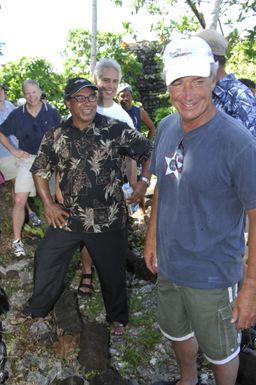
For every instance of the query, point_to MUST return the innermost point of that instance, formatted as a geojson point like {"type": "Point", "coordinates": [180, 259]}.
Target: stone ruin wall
{"type": "Point", "coordinates": [150, 84]}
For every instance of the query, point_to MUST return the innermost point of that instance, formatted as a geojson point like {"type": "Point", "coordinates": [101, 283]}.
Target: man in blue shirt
{"type": "Point", "coordinates": [8, 162]}
{"type": "Point", "coordinates": [204, 161]}
{"type": "Point", "coordinates": [28, 124]}
{"type": "Point", "coordinates": [230, 95]}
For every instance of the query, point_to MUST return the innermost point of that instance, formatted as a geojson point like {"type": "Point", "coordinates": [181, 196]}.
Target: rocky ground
{"type": "Point", "coordinates": [73, 344]}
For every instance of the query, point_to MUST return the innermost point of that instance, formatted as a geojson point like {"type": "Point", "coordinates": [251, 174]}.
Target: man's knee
{"type": "Point", "coordinates": [20, 200]}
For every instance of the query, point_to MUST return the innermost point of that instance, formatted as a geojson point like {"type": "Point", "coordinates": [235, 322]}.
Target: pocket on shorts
{"type": "Point", "coordinates": [227, 333]}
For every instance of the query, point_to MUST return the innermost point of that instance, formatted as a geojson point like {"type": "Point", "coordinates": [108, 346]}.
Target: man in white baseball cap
{"type": "Point", "coordinates": [183, 59]}
{"type": "Point", "coordinates": [204, 161]}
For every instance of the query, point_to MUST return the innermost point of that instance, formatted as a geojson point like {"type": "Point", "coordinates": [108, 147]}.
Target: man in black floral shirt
{"type": "Point", "coordinates": [88, 152]}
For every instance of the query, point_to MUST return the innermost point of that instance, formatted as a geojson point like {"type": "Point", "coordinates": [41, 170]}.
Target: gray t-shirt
{"type": "Point", "coordinates": [206, 178]}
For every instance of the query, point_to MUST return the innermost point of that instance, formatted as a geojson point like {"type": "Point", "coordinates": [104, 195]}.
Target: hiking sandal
{"type": "Point", "coordinates": [117, 328]}
{"type": "Point", "coordinates": [85, 285]}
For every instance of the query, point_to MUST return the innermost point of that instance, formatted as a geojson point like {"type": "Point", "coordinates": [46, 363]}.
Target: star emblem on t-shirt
{"type": "Point", "coordinates": [174, 163]}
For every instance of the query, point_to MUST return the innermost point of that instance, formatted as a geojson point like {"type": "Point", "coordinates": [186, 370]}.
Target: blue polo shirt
{"type": "Point", "coordinates": [29, 130]}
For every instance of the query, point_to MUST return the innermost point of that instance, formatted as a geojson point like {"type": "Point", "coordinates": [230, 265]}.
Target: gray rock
{"type": "Point", "coordinates": [36, 378]}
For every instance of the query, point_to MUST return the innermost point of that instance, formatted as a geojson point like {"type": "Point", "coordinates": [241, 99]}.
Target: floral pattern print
{"type": "Point", "coordinates": [234, 98]}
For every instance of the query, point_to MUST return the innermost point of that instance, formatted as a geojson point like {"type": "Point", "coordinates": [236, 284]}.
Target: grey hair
{"type": "Point", "coordinates": [214, 69]}
{"type": "Point", "coordinates": [31, 82]}
{"type": "Point", "coordinates": [107, 63]}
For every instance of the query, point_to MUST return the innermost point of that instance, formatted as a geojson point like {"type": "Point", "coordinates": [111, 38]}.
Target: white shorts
{"type": "Point", "coordinates": [8, 167]}
{"type": "Point", "coordinates": [24, 180]}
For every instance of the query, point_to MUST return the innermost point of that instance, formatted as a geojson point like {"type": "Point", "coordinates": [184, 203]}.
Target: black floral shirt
{"type": "Point", "coordinates": [91, 168]}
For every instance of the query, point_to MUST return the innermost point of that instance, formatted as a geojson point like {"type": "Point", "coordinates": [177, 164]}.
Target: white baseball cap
{"type": "Point", "coordinates": [187, 57]}
{"type": "Point", "coordinates": [123, 87]}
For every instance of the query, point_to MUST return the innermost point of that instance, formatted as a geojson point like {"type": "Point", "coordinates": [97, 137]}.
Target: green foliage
{"type": "Point", "coordinates": [150, 339]}
{"type": "Point", "coordinates": [77, 54]}
{"type": "Point", "coordinates": [162, 112]}
{"type": "Point", "coordinates": [242, 60]}
{"type": "Point", "coordinates": [39, 231]}
{"type": "Point", "coordinates": [137, 350]}
{"type": "Point", "coordinates": [131, 356]}
{"type": "Point", "coordinates": [13, 73]}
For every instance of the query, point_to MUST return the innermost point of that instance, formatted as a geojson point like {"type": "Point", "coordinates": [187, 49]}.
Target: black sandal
{"type": "Point", "coordinates": [85, 285]}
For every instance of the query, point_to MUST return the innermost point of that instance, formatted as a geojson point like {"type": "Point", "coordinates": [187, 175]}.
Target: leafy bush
{"type": "Point", "coordinates": [162, 112]}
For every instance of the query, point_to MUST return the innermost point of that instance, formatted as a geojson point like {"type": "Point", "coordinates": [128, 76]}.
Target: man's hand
{"type": "Point", "coordinates": [20, 154]}
{"type": "Point", "coordinates": [139, 190]}
{"type": "Point", "coordinates": [244, 310]}
{"type": "Point", "coordinates": [56, 215]}
{"type": "Point", "coordinates": [150, 255]}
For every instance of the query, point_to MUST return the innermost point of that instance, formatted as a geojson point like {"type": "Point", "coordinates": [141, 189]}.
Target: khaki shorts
{"type": "Point", "coordinates": [8, 167]}
{"type": "Point", "coordinates": [206, 313]}
{"type": "Point", "coordinates": [24, 180]}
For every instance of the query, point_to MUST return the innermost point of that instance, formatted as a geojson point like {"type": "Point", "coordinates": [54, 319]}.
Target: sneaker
{"type": "Point", "coordinates": [34, 219]}
{"type": "Point", "coordinates": [18, 248]}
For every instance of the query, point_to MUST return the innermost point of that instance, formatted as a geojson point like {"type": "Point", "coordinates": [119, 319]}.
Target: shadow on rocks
{"type": "Point", "coordinates": [73, 380]}
{"type": "Point", "coordinates": [69, 324]}
{"type": "Point", "coordinates": [109, 377]}
{"type": "Point", "coordinates": [94, 347]}
{"type": "Point", "coordinates": [136, 265]}
{"type": "Point", "coordinates": [69, 321]}
{"type": "Point", "coordinates": [94, 337]}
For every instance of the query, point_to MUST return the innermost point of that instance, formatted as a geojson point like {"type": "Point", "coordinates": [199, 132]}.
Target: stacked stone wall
{"type": "Point", "coordinates": [150, 84]}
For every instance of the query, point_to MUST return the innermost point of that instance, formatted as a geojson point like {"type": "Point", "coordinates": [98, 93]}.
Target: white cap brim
{"type": "Point", "coordinates": [185, 67]}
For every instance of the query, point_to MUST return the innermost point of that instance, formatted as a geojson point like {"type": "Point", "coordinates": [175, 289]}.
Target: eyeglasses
{"type": "Point", "coordinates": [82, 98]}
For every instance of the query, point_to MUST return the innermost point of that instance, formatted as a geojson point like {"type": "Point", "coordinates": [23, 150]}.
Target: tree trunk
{"type": "Point", "coordinates": [215, 14]}
{"type": "Point", "coordinates": [94, 35]}
{"type": "Point", "coordinates": [199, 15]}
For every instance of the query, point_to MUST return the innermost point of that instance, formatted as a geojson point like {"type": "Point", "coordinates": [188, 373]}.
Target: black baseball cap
{"type": "Point", "coordinates": [4, 87]}
{"type": "Point", "coordinates": [76, 84]}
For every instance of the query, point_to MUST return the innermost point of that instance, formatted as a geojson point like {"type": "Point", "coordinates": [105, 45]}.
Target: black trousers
{"type": "Point", "coordinates": [52, 257]}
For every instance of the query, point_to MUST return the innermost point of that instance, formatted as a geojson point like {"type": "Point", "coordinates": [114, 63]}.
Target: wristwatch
{"type": "Point", "coordinates": [146, 180]}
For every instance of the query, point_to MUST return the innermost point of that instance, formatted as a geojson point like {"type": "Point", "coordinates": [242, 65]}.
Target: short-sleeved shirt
{"type": "Point", "coordinates": [28, 129]}
{"type": "Point", "coordinates": [116, 112]}
{"type": "Point", "coordinates": [237, 100]}
{"type": "Point", "coordinates": [91, 167]}
{"type": "Point", "coordinates": [4, 112]}
{"type": "Point", "coordinates": [206, 178]}
{"type": "Point", "coordinates": [8, 107]}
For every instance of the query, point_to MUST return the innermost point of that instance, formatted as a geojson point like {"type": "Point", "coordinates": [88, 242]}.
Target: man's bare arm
{"type": "Point", "coordinates": [13, 150]}
{"type": "Point", "coordinates": [150, 243]}
{"type": "Point", "coordinates": [244, 311]}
